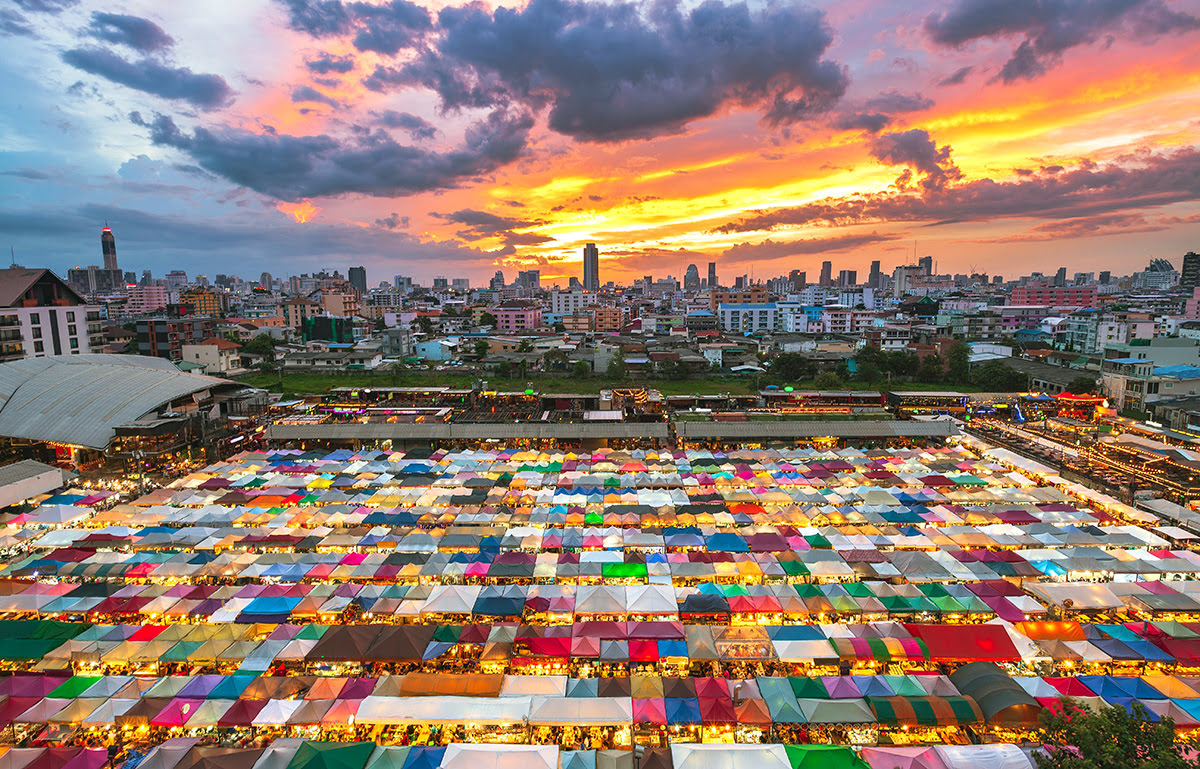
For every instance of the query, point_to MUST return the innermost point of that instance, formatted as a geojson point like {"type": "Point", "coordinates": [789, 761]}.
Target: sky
{"type": "Point", "coordinates": [456, 139]}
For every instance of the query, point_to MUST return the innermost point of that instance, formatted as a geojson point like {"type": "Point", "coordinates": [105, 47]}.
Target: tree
{"type": "Point", "coordinates": [958, 363]}
{"type": "Point", "coordinates": [525, 346]}
{"type": "Point", "coordinates": [676, 370]}
{"type": "Point", "coordinates": [869, 372]}
{"type": "Point", "coordinates": [1113, 738]}
{"type": "Point", "coordinates": [262, 345]}
{"type": "Point", "coordinates": [997, 377]}
{"type": "Point", "coordinates": [616, 366]}
{"type": "Point", "coordinates": [555, 360]}
{"type": "Point", "coordinates": [487, 319]}
{"type": "Point", "coordinates": [791, 367]}
{"type": "Point", "coordinates": [1082, 385]}
{"type": "Point", "coordinates": [581, 370]}
{"type": "Point", "coordinates": [931, 369]}
{"type": "Point", "coordinates": [827, 380]}
{"type": "Point", "coordinates": [560, 327]}
{"type": "Point", "coordinates": [425, 324]}
{"type": "Point", "coordinates": [481, 348]}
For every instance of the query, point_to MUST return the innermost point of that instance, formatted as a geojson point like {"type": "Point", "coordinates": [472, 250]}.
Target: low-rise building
{"type": "Point", "coordinates": [216, 355]}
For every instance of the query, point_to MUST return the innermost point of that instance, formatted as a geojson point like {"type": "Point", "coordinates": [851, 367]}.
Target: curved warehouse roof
{"type": "Point", "coordinates": [80, 399]}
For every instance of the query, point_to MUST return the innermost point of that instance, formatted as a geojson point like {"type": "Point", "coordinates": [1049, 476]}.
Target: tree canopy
{"type": "Point", "coordinates": [1113, 738]}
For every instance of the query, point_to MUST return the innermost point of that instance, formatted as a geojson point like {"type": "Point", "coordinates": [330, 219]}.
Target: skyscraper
{"type": "Point", "coordinates": [926, 264]}
{"type": "Point", "coordinates": [591, 267]}
{"type": "Point", "coordinates": [826, 273]}
{"type": "Point", "coordinates": [874, 278]}
{"type": "Point", "coordinates": [108, 245]}
{"type": "Point", "coordinates": [358, 279]}
{"type": "Point", "coordinates": [691, 278]}
{"type": "Point", "coordinates": [1189, 276]}
{"type": "Point", "coordinates": [847, 278]}
{"type": "Point", "coordinates": [265, 280]}
{"type": "Point", "coordinates": [712, 276]}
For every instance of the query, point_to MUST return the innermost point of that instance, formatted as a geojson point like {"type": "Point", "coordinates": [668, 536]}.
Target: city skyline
{"type": "Point", "coordinates": [306, 135]}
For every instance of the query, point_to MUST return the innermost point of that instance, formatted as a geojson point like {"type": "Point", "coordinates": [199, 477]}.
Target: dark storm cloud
{"type": "Point", "coordinates": [388, 28]}
{"type": "Point", "coordinates": [393, 221]}
{"type": "Point", "coordinates": [200, 90]}
{"type": "Point", "coordinates": [956, 77]}
{"type": "Point", "coordinates": [327, 64]}
{"type": "Point", "coordinates": [13, 23]}
{"type": "Point", "coordinates": [617, 71]}
{"type": "Point", "coordinates": [769, 249]}
{"type": "Point", "coordinates": [1086, 190]}
{"type": "Point", "coordinates": [478, 225]}
{"type": "Point", "coordinates": [371, 162]}
{"type": "Point", "coordinates": [893, 101]}
{"type": "Point", "coordinates": [257, 240]}
{"type": "Point", "coordinates": [916, 150]}
{"type": "Point", "coordinates": [319, 18]}
{"type": "Point", "coordinates": [142, 35]}
{"type": "Point", "coordinates": [46, 6]}
{"type": "Point", "coordinates": [383, 28]}
{"type": "Point", "coordinates": [1048, 28]}
{"type": "Point", "coordinates": [417, 127]}
{"type": "Point", "coordinates": [872, 122]}
{"type": "Point", "coordinates": [307, 93]}
{"type": "Point", "coordinates": [879, 112]}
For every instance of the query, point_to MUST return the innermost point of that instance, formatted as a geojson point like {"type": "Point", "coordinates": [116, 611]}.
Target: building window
{"type": "Point", "coordinates": [74, 344]}
{"type": "Point", "coordinates": [71, 331]}
{"type": "Point", "coordinates": [35, 318]}
{"type": "Point", "coordinates": [37, 333]}
{"type": "Point", "coordinates": [70, 317]}
{"type": "Point", "coordinates": [39, 347]}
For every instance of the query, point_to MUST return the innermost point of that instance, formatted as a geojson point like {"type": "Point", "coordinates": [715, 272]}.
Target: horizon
{"type": "Point", "coordinates": [424, 140]}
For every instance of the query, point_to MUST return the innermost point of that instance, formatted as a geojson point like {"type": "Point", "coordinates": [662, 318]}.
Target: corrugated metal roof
{"type": "Point", "coordinates": [476, 431]}
{"type": "Point", "coordinates": [812, 429]}
{"type": "Point", "coordinates": [80, 399]}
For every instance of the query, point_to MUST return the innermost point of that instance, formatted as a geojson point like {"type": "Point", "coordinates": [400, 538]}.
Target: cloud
{"type": "Point", "coordinates": [225, 243]}
{"type": "Point", "coordinates": [385, 29]}
{"type": "Point", "coordinates": [142, 35]}
{"type": "Point", "coordinates": [46, 6]}
{"type": "Point", "coordinates": [200, 90]}
{"type": "Point", "coordinates": [610, 72]}
{"type": "Point", "coordinates": [393, 221]}
{"type": "Point", "coordinates": [306, 93]}
{"type": "Point", "coordinates": [1087, 227]}
{"type": "Point", "coordinates": [878, 112]}
{"type": "Point", "coordinates": [1049, 28]}
{"type": "Point", "coordinates": [28, 174]}
{"type": "Point", "coordinates": [770, 249]}
{"type": "Point", "coordinates": [371, 163]}
{"type": "Point", "coordinates": [1139, 182]}
{"type": "Point", "coordinates": [13, 23]}
{"type": "Point", "coordinates": [417, 127]}
{"type": "Point", "coordinates": [327, 64]}
{"type": "Point", "coordinates": [893, 101]}
{"type": "Point", "coordinates": [916, 150]}
{"type": "Point", "coordinates": [480, 225]}
{"type": "Point", "coordinates": [956, 77]}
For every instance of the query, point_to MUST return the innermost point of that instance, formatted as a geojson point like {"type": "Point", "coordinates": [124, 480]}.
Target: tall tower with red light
{"type": "Point", "coordinates": [108, 244]}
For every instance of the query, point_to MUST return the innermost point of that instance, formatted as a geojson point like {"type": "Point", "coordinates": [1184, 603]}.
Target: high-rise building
{"type": "Point", "coordinates": [826, 273]}
{"type": "Point", "coordinates": [357, 276]}
{"type": "Point", "coordinates": [108, 246]}
{"type": "Point", "coordinates": [847, 278]}
{"type": "Point", "coordinates": [926, 264]}
{"type": "Point", "coordinates": [712, 276]}
{"type": "Point", "coordinates": [1106, 276]}
{"type": "Point", "coordinates": [441, 283]}
{"type": "Point", "coordinates": [497, 281]}
{"type": "Point", "coordinates": [876, 276]}
{"type": "Point", "coordinates": [265, 280]}
{"type": "Point", "coordinates": [591, 267]}
{"type": "Point", "coordinates": [1189, 276]}
{"type": "Point", "coordinates": [1060, 277]}
{"type": "Point", "coordinates": [799, 279]}
{"type": "Point", "coordinates": [691, 278]}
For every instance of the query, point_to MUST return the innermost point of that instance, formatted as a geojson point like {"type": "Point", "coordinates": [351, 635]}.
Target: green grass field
{"type": "Point", "coordinates": [307, 384]}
